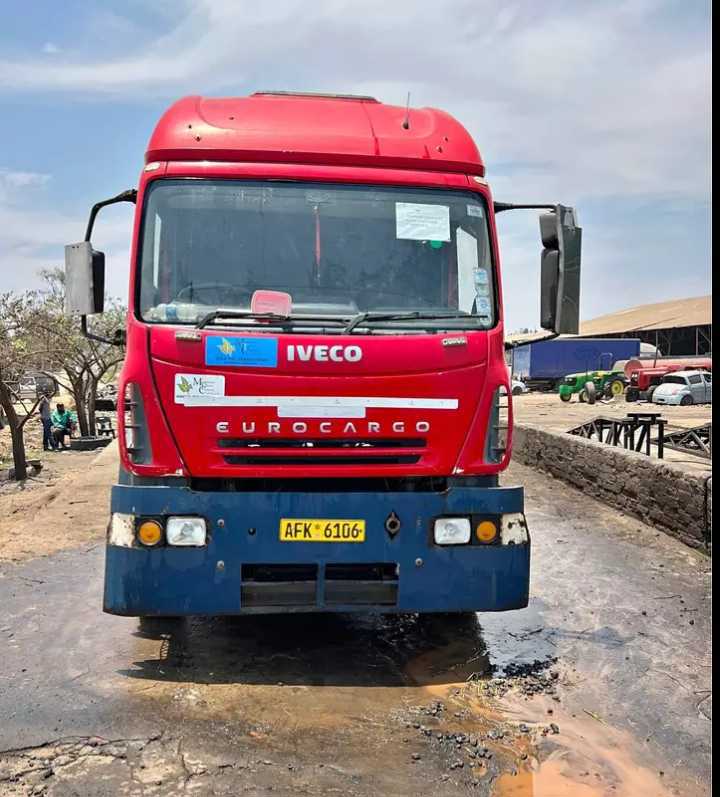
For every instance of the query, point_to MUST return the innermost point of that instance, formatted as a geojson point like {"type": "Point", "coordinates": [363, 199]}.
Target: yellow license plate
{"type": "Point", "coordinates": [321, 530]}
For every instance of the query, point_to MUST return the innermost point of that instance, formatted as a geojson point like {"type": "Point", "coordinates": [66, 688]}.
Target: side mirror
{"type": "Point", "coordinates": [84, 279]}
{"type": "Point", "coordinates": [560, 271]}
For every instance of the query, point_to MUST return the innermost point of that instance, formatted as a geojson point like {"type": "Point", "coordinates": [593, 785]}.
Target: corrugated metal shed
{"type": "Point", "coordinates": [676, 314]}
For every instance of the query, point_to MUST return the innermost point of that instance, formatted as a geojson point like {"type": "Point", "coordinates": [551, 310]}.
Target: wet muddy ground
{"type": "Point", "coordinates": [601, 687]}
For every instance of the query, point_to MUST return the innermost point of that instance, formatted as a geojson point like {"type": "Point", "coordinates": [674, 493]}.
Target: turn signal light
{"type": "Point", "coordinates": [486, 531]}
{"type": "Point", "coordinates": [149, 532]}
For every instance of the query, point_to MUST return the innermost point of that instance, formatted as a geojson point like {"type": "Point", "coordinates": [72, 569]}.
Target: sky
{"type": "Point", "coordinates": [603, 106]}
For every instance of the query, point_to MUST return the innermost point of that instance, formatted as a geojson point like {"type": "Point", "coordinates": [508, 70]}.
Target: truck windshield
{"type": "Point", "coordinates": [337, 250]}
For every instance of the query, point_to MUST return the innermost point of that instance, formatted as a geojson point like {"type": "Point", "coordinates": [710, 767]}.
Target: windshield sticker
{"type": "Point", "coordinates": [467, 258]}
{"type": "Point", "coordinates": [482, 282]}
{"type": "Point", "coordinates": [198, 386]}
{"type": "Point", "coordinates": [482, 305]}
{"type": "Point", "coordinates": [416, 222]}
{"type": "Point", "coordinates": [253, 352]}
{"type": "Point", "coordinates": [475, 210]}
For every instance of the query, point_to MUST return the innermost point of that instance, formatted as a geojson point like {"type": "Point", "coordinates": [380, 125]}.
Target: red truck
{"type": "Point", "coordinates": [314, 406]}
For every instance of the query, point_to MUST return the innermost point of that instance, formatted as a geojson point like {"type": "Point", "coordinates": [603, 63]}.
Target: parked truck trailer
{"type": "Point", "coordinates": [545, 363]}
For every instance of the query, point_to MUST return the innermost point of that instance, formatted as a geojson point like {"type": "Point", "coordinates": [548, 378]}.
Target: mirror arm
{"type": "Point", "coordinates": [126, 196]}
{"type": "Point", "coordinates": [499, 207]}
{"type": "Point", "coordinates": [510, 345]}
{"type": "Point", "coordinates": [118, 339]}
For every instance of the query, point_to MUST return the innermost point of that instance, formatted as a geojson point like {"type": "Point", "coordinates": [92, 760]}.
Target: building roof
{"type": "Point", "coordinates": [692, 312]}
{"type": "Point", "coordinates": [306, 128]}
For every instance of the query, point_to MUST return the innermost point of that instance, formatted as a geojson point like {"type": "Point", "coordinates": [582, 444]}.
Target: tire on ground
{"type": "Point", "coordinates": [614, 388]}
{"type": "Point", "coordinates": [590, 392]}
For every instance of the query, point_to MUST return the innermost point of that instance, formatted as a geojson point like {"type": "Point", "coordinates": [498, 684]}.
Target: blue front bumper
{"type": "Point", "coordinates": [238, 571]}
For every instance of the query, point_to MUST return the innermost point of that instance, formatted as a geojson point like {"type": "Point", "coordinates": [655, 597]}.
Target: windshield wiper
{"type": "Point", "coordinates": [362, 318]}
{"type": "Point", "coordinates": [208, 318]}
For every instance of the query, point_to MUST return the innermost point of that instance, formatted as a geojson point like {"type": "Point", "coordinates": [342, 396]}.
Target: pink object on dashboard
{"type": "Point", "coordinates": [275, 302]}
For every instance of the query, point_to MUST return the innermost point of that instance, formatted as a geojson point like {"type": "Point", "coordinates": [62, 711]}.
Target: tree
{"type": "Point", "coordinates": [84, 362]}
{"type": "Point", "coordinates": [18, 352]}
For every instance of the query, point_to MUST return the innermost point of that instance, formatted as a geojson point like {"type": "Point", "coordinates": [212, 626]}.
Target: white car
{"type": "Point", "coordinates": [684, 388]}
{"type": "Point", "coordinates": [518, 387]}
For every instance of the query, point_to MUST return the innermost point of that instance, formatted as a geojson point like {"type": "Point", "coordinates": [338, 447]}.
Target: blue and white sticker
{"type": "Point", "coordinates": [255, 352]}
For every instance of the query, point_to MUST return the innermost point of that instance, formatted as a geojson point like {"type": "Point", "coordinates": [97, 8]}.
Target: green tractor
{"type": "Point", "coordinates": [591, 385]}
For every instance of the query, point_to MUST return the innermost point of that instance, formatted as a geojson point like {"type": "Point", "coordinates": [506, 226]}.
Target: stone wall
{"type": "Point", "coordinates": [659, 493]}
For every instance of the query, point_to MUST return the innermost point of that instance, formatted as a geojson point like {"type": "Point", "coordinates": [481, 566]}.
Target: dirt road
{"type": "Point", "coordinates": [64, 506]}
{"type": "Point", "coordinates": [600, 687]}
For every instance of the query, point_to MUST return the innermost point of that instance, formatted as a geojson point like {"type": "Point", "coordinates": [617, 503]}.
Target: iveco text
{"type": "Point", "coordinates": [337, 354]}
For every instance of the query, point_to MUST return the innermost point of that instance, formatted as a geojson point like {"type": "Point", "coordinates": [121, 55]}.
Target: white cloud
{"type": "Point", "coordinates": [614, 98]}
{"type": "Point", "coordinates": [12, 181]}
{"type": "Point", "coordinates": [32, 237]}
{"type": "Point", "coordinates": [568, 102]}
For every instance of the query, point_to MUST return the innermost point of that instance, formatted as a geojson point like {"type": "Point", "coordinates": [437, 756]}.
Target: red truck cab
{"type": "Point", "coordinates": [315, 407]}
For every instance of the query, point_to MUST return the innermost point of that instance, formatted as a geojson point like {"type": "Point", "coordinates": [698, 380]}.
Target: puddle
{"type": "Point", "coordinates": [587, 759]}
{"type": "Point", "coordinates": [373, 677]}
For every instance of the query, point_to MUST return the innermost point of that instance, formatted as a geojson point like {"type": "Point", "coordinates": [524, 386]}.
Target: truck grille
{"type": "Point", "coordinates": [406, 459]}
{"type": "Point", "coordinates": [322, 451]}
{"type": "Point", "coordinates": [265, 586]}
{"type": "Point", "coordinates": [322, 442]}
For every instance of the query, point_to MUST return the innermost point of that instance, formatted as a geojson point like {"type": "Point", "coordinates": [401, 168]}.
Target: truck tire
{"type": "Point", "coordinates": [565, 396]}
{"type": "Point", "coordinates": [686, 401]}
{"type": "Point", "coordinates": [517, 391]}
{"type": "Point", "coordinates": [632, 394]}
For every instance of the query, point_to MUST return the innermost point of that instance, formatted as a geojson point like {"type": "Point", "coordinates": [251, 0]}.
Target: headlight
{"type": "Point", "coordinates": [452, 531]}
{"type": "Point", "coordinates": [185, 531]}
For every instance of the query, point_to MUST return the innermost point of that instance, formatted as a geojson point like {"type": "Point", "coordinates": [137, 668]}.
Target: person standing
{"type": "Point", "coordinates": [44, 410]}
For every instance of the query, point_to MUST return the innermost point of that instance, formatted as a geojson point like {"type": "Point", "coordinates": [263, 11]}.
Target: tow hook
{"type": "Point", "coordinates": [392, 524]}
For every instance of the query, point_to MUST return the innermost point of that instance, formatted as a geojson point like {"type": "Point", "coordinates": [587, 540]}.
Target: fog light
{"type": "Point", "coordinates": [486, 531]}
{"type": "Point", "coordinates": [452, 531]}
{"type": "Point", "coordinates": [185, 531]}
{"type": "Point", "coordinates": [149, 532]}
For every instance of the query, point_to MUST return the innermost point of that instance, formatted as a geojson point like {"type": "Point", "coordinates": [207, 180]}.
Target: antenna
{"type": "Point", "coordinates": [406, 123]}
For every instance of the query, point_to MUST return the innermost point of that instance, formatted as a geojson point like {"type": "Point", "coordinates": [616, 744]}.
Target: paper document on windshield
{"type": "Point", "coordinates": [467, 256]}
{"type": "Point", "coordinates": [417, 222]}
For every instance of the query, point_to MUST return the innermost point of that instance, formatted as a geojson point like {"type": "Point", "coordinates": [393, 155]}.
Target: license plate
{"type": "Point", "coordinates": [321, 530]}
